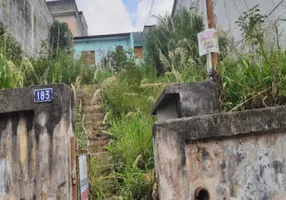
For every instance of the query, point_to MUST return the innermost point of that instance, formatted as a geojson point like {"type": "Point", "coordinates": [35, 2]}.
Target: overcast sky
{"type": "Point", "coordinates": [117, 16]}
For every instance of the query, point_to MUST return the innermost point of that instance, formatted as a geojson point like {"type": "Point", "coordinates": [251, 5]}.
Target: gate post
{"type": "Point", "coordinates": [73, 165]}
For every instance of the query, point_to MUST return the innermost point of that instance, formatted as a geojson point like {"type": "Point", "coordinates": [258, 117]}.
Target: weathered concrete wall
{"type": "Point", "coordinates": [232, 155]}
{"type": "Point", "coordinates": [28, 21]}
{"type": "Point", "coordinates": [228, 12]}
{"type": "Point", "coordinates": [239, 168]}
{"type": "Point", "coordinates": [35, 156]}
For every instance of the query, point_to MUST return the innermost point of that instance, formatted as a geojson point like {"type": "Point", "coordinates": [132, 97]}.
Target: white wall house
{"type": "Point", "coordinates": [227, 13]}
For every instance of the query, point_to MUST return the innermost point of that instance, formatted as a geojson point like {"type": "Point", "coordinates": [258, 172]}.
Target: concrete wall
{"type": "Point", "coordinates": [179, 4]}
{"type": "Point", "coordinates": [101, 45]}
{"type": "Point", "coordinates": [67, 11]}
{"type": "Point", "coordinates": [228, 12]}
{"type": "Point", "coordinates": [244, 167]}
{"type": "Point", "coordinates": [35, 156]}
{"type": "Point", "coordinates": [28, 21]}
{"type": "Point", "coordinates": [230, 155]}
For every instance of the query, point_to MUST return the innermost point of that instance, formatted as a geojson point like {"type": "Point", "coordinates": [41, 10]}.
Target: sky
{"type": "Point", "coordinates": [118, 16]}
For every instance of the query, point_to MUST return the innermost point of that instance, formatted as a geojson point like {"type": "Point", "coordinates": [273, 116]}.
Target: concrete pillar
{"type": "Point", "coordinates": [35, 156]}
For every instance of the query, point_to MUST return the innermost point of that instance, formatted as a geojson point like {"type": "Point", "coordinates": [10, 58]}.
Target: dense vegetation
{"type": "Point", "coordinates": [253, 80]}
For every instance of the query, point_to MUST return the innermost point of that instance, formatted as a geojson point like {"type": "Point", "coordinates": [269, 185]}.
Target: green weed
{"type": "Point", "coordinates": [255, 80]}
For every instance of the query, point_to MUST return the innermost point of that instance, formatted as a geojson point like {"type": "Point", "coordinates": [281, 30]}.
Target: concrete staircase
{"type": "Point", "coordinates": [88, 100]}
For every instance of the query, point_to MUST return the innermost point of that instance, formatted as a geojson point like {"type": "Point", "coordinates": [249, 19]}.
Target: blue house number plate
{"type": "Point", "coordinates": [43, 95]}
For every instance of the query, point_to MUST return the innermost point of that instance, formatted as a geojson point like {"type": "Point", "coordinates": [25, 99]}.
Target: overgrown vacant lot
{"type": "Point", "coordinates": [247, 81]}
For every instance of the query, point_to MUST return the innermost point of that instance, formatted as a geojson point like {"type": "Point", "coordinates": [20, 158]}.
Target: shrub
{"type": "Point", "coordinates": [167, 36]}
{"type": "Point", "coordinates": [9, 47]}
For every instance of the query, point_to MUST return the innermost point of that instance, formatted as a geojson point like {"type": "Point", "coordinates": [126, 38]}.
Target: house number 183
{"type": "Point", "coordinates": [43, 95]}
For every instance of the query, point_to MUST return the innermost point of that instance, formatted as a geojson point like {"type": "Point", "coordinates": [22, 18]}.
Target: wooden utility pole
{"type": "Point", "coordinates": [73, 165]}
{"type": "Point", "coordinates": [211, 24]}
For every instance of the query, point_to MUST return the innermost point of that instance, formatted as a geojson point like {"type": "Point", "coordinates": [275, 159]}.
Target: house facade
{"type": "Point", "coordinates": [67, 11]}
{"type": "Point", "coordinates": [96, 47]}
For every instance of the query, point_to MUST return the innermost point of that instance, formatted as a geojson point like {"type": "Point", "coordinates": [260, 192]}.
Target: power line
{"type": "Point", "coordinates": [270, 13]}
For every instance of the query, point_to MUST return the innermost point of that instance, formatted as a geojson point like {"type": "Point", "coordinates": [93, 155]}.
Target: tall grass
{"type": "Point", "coordinates": [28, 71]}
{"type": "Point", "coordinates": [254, 80]}
{"type": "Point", "coordinates": [6, 76]}
{"type": "Point", "coordinates": [178, 32]}
{"type": "Point", "coordinates": [134, 133]}
{"type": "Point", "coordinates": [128, 101]}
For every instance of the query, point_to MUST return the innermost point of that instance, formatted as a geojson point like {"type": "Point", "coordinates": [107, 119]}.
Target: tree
{"type": "Point", "coordinates": [61, 39]}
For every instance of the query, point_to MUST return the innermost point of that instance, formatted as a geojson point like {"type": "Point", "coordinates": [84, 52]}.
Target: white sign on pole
{"type": "Point", "coordinates": [83, 176]}
{"type": "Point", "coordinates": [208, 42]}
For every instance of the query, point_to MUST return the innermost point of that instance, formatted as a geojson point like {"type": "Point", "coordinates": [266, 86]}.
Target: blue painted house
{"type": "Point", "coordinates": [97, 46]}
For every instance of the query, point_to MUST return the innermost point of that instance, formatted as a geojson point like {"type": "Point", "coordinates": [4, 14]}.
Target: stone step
{"type": "Point", "coordinates": [98, 146]}
{"type": "Point", "coordinates": [79, 95]}
{"type": "Point", "coordinates": [91, 127]}
{"type": "Point", "coordinates": [92, 109]}
{"type": "Point", "coordinates": [98, 143]}
{"type": "Point", "coordinates": [91, 103]}
{"type": "Point", "coordinates": [93, 118]}
{"type": "Point", "coordinates": [88, 95]}
{"type": "Point", "coordinates": [96, 100]}
{"type": "Point", "coordinates": [85, 98]}
{"type": "Point", "coordinates": [100, 135]}
{"type": "Point", "coordinates": [99, 138]}
{"type": "Point", "coordinates": [94, 125]}
{"type": "Point", "coordinates": [86, 102]}
{"type": "Point", "coordinates": [88, 88]}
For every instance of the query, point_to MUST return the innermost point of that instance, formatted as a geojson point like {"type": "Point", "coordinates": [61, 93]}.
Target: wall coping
{"type": "Point", "coordinates": [269, 119]}
{"type": "Point", "coordinates": [194, 98]}
{"type": "Point", "coordinates": [22, 99]}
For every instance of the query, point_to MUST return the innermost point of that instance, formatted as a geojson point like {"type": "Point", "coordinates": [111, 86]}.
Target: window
{"type": "Point", "coordinates": [119, 48]}
{"type": "Point", "coordinates": [138, 52]}
{"type": "Point", "coordinates": [89, 57]}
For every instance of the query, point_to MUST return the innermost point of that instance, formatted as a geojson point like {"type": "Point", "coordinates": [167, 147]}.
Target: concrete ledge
{"type": "Point", "coordinates": [22, 99]}
{"type": "Point", "coordinates": [226, 124]}
{"type": "Point", "coordinates": [192, 99]}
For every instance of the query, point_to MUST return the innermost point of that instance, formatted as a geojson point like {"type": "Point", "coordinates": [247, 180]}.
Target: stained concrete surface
{"type": "Point", "coordinates": [187, 99]}
{"type": "Point", "coordinates": [28, 21]}
{"type": "Point", "coordinates": [35, 144]}
{"type": "Point", "coordinates": [233, 156]}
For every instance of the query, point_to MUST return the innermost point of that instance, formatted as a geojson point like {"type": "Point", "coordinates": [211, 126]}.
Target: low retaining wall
{"type": "Point", "coordinates": [35, 152]}
{"type": "Point", "coordinates": [222, 156]}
